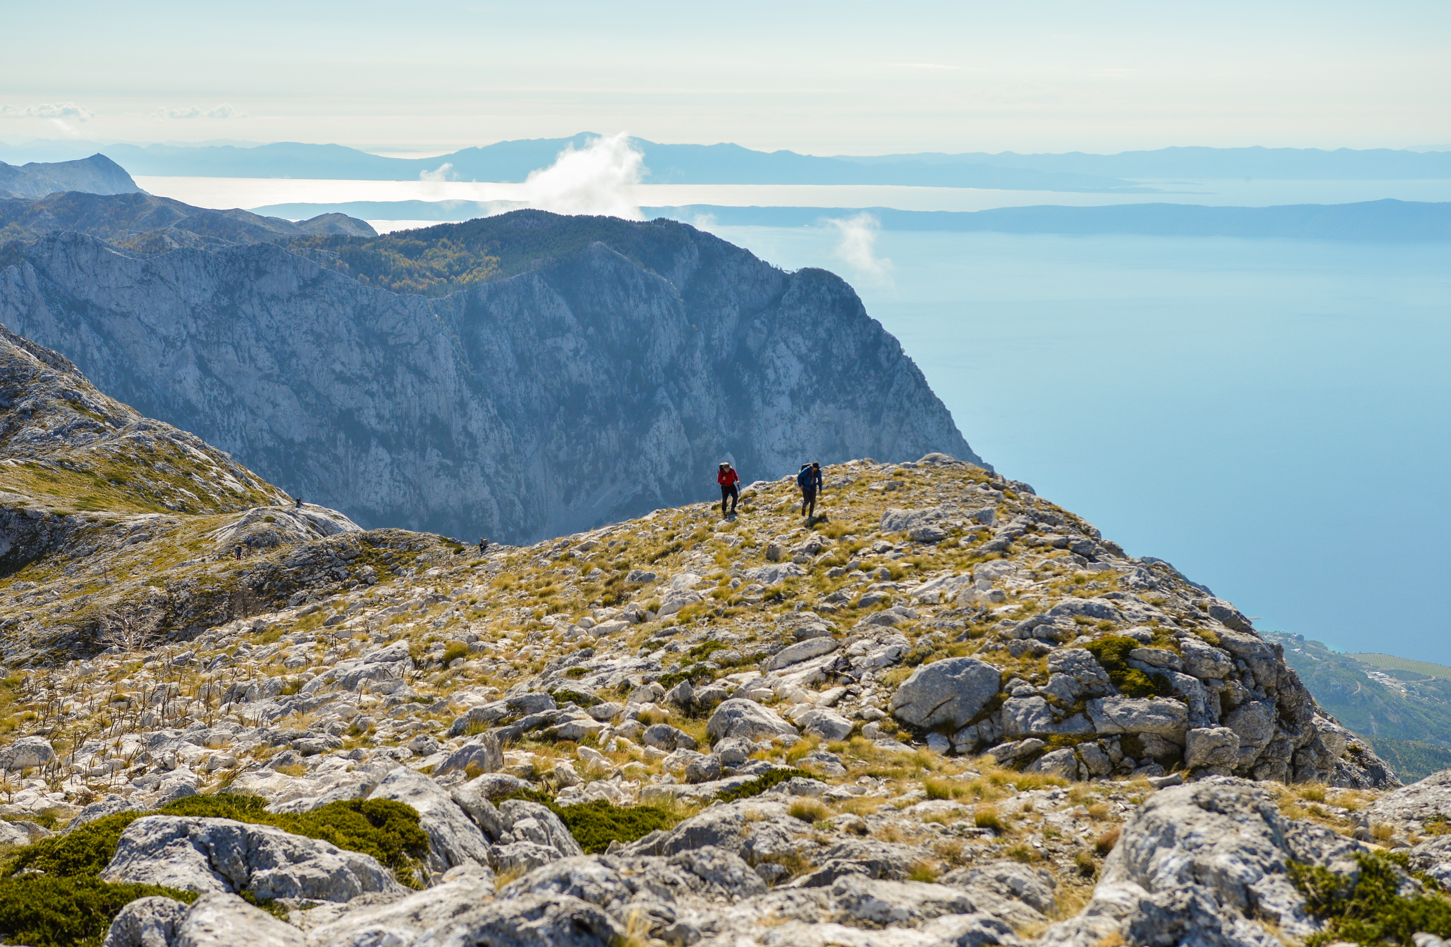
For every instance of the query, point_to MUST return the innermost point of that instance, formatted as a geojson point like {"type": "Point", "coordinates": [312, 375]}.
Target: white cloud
{"type": "Point", "coordinates": [445, 172]}
{"type": "Point", "coordinates": [589, 181]}
{"type": "Point", "coordinates": [858, 245]}
{"type": "Point", "coordinates": [220, 111]}
{"type": "Point", "coordinates": [49, 111]}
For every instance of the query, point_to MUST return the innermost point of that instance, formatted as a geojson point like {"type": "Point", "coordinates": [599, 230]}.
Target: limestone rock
{"type": "Point", "coordinates": [219, 855]}
{"type": "Point", "coordinates": [1203, 862]}
{"type": "Point", "coordinates": [26, 753]}
{"type": "Point", "coordinates": [453, 839]}
{"type": "Point", "coordinates": [405, 920]}
{"type": "Point", "coordinates": [946, 693]}
{"type": "Point", "coordinates": [529, 921]}
{"type": "Point", "coordinates": [1211, 746]}
{"type": "Point", "coordinates": [739, 717]}
{"type": "Point", "coordinates": [480, 754]}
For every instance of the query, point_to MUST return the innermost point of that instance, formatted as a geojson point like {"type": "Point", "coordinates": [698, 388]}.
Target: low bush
{"type": "Point", "coordinates": [60, 900]}
{"type": "Point", "coordinates": [46, 911]}
{"type": "Point", "coordinates": [385, 829]}
{"type": "Point", "coordinates": [1112, 651]}
{"type": "Point", "coordinates": [762, 783]}
{"type": "Point", "coordinates": [1367, 907]}
{"type": "Point", "coordinates": [596, 824]}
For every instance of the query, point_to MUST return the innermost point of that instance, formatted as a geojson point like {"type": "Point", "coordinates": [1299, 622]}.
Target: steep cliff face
{"type": "Point", "coordinates": [594, 386]}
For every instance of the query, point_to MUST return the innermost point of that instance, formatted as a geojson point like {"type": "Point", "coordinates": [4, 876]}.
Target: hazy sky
{"type": "Point", "coordinates": [837, 77]}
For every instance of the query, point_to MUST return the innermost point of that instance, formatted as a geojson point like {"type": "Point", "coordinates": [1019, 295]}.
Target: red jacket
{"type": "Point", "coordinates": [727, 477]}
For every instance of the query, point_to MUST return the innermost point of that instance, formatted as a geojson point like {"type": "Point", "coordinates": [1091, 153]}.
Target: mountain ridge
{"type": "Point", "coordinates": [726, 163]}
{"type": "Point", "coordinates": [581, 390]}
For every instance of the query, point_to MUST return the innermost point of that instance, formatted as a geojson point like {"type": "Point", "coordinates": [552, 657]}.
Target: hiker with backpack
{"type": "Point", "coordinates": [727, 477]}
{"type": "Point", "coordinates": [809, 480]}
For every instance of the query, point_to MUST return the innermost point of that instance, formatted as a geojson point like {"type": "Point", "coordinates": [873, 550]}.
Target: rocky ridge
{"type": "Point", "coordinates": [946, 712]}
{"type": "Point", "coordinates": [96, 175]}
{"type": "Point", "coordinates": [148, 224]}
{"type": "Point", "coordinates": [594, 383]}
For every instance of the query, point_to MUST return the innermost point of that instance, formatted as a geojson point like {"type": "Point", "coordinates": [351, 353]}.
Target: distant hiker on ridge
{"type": "Point", "coordinates": [728, 478]}
{"type": "Point", "coordinates": [809, 480]}
{"type": "Point", "coordinates": [299, 502]}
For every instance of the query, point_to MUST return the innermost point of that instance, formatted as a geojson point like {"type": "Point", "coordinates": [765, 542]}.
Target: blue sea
{"type": "Point", "coordinates": [1270, 416]}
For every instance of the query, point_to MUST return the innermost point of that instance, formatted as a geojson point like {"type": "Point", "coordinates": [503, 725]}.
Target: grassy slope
{"type": "Point", "coordinates": [1408, 721]}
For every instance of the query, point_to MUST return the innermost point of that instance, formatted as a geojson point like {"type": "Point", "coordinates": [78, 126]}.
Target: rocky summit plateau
{"type": "Point", "coordinates": [944, 712]}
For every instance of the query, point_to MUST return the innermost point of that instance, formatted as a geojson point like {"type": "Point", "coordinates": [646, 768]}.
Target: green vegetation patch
{"type": "Point", "coordinates": [1392, 663]}
{"type": "Point", "coordinates": [1412, 759]}
{"type": "Point", "coordinates": [1112, 652]}
{"type": "Point", "coordinates": [1365, 908]}
{"type": "Point", "coordinates": [385, 829]}
{"type": "Point", "coordinates": [60, 900]}
{"type": "Point", "coordinates": [43, 911]}
{"type": "Point", "coordinates": [596, 824]}
{"type": "Point", "coordinates": [762, 783]}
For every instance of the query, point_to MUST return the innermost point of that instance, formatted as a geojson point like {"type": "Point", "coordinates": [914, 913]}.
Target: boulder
{"type": "Point", "coordinates": [1418, 804]}
{"type": "Point", "coordinates": [532, 822]}
{"type": "Point", "coordinates": [662, 736]}
{"type": "Point", "coordinates": [946, 693]}
{"type": "Point", "coordinates": [219, 855]}
{"type": "Point", "coordinates": [214, 920]}
{"type": "Point", "coordinates": [453, 839]}
{"type": "Point", "coordinates": [1203, 660]}
{"type": "Point", "coordinates": [1062, 763]}
{"type": "Point", "coordinates": [1203, 863]}
{"type": "Point", "coordinates": [739, 717]}
{"type": "Point", "coordinates": [703, 769]}
{"type": "Point", "coordinates": [1211, 746]}
{"type": "Point", "coordinates": [405, 920]}
{"type": "Point", "coordinates": [1254, 723]}
{"type": "Point", "coordinates": [481, 754]}
{"type": "Point", "coordinates": [26, 753]}
{"type": "Point", "coordinates": [826, 724]}
{"type": "Point", "coordinates": [529, 921]}
{"type": "Point", "coordinates": [803, 650]}
{"type": "Point", "coordinates": [516, 858]}
{"type": "Point", "coordinates": [1159, 715]}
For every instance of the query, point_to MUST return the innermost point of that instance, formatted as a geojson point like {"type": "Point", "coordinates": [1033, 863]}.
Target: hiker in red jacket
{"type": "Point", "coordinates": [727, 478]}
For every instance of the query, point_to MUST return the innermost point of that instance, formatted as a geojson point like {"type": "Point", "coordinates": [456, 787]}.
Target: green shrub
{"type": "Point", "coordinates": [596, 824]}
{"type": "Point", "coordinates": [762, 783]}
{"type": "Point", "coordinates": [1112, 652]}
{"type": "Point", "coordinates": [45, 911]}
{"type": "Point", "coordinates": [1366, 908]}
{"type": "Point", "coordinates": [453, 651]}
{"type": "Point", "coordinates": [83, 853]}
{"type": "Point", "coordinates": [385, 829]}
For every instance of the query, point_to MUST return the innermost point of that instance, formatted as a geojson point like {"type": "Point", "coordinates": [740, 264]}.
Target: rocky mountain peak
{"type": "Point", "coordinates": [944, 711]}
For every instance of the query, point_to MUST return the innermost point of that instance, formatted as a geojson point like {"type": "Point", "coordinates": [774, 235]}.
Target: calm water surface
{"type": "Point", "coordinates": [1270, 416]}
